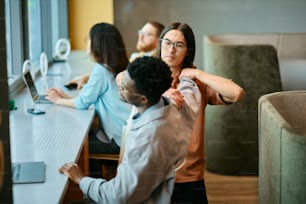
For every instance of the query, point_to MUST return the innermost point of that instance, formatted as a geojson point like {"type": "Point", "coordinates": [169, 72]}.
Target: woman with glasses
{"type": "Point", "coordinates": [177, 49]}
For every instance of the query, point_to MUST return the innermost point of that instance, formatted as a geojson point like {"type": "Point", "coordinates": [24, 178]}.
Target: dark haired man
{"type": "Point", "coordinates": [156, 143]}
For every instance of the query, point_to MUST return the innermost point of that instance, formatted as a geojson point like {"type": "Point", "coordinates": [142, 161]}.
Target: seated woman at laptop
{"type": "Point", "coordinates": [107, 49]}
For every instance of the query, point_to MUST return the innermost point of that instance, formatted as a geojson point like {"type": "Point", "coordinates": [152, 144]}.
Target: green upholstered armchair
{"type": "Point", "coordinates": [282, 147]}
{"type": "Point", "coordinates": [231, 132]}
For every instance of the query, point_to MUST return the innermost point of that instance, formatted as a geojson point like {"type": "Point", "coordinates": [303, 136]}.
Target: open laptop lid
{"type": "Point", "coordinates": [27, 77]}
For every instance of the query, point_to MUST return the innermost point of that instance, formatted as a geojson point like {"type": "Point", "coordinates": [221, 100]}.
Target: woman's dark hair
{"type": "Point", "coordinates": [107, 47]}
{"type": "Point", "coordinates": [152, 77]}
{"type": "Point", "coordinates": [190, 40]}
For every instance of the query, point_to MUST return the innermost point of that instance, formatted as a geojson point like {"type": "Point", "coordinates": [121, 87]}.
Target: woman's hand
{"type": "Point", "coordinates": [119, 78]}
{"type": "Point", "coordinates": [79, 81]}
{"type": "Point", "coordinates": [54, 94]}
{"type": "Point", "coordinates": [175, 96]}
{"type": "Point", "coordinates": [229, 91]}
{"type": "Point", "coordinates": [190, 73]}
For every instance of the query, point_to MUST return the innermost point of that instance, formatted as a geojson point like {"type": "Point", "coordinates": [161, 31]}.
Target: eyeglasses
{"type": "Point", "coordinates": [123, 90]}
{"type": "Point", "coordinates": [166, 44]}
{"type": "Point", "coordinates": [146, 34]}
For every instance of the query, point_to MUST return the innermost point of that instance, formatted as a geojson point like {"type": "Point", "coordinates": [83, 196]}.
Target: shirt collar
{"type": "Point", "coordinates": [151, 109]}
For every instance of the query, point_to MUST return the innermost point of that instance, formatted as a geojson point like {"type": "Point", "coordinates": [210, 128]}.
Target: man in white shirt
{"type": "Point", "coordinates": [156, 143]}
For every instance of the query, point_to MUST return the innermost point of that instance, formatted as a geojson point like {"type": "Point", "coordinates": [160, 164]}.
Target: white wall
{"type": "Point", "coordinates": [211, 17]}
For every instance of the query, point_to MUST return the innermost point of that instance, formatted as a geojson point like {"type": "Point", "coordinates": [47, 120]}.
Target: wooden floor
{"type": "Point", "coordinates": [223, 189]}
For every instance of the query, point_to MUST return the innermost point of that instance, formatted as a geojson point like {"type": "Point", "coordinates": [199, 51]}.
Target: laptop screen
{"type": "Point", "coordinates": [30, 84]}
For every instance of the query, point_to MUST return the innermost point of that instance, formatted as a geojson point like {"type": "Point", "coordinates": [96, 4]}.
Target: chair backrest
{"type": "Point", "coordinates": [282, 152]}
{"type": "Point", "coordinates": [125, 132]}
{"type": "Point", "coordinates": [231, 132]}
{"type": "Point", "coordinates": [110, 157]}
{"type": "Point", "coordinates": [291, 108]}
{"type": "Point", "coordinates": [287, 45]}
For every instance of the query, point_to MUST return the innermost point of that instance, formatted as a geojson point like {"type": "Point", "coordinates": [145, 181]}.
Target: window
{"type": "Point", "coordinates": [34, 34]}
{"type": "Point", "coordinates": [13, 38]}
{"type": "Point", "coordinates": [32, 27]}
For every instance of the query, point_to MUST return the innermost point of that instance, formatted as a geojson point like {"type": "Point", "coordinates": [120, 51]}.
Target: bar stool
{"type": "Point", "coordinates": [109, 163]}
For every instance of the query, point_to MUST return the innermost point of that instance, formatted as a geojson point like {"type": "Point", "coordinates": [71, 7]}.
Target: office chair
{"type": "Point", "coordinates": [109, 162]}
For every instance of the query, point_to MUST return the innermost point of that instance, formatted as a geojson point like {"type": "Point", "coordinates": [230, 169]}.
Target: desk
{"type": "Point", "coordinates": [56, 137]}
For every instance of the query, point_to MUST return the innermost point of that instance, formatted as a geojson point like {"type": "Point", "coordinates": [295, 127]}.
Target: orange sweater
{"type": "Point", "coordinates": [193, 169]}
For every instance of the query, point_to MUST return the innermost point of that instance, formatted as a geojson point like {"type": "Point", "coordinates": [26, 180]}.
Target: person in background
{"type": "Point", "coordinates": [177, 49]}
{"type": "Point", "coordinates": [156, 143]}
{"type": "Point", "coordinates": [148, 38]}
{"type": "Point", "coordinates": [106, 48]}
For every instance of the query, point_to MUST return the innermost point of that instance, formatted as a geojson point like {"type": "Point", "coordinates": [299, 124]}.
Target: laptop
{"type": "Point", "coordinates": [37, 98]}
{"type": "Point", "coordinates": [28, 172]}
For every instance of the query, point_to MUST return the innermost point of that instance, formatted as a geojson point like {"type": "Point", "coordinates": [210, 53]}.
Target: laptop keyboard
{"type": "Point", "coordinates": [42, 99]}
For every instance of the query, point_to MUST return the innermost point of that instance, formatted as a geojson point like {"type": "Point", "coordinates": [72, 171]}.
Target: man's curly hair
{"type": "Point", "coordinates": [152, 77]}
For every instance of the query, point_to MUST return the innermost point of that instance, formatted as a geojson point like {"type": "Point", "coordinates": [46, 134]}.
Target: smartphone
{"type": "Point", "coordinates": [71, 86]}
{"type": "Point", "coordinates": [36, 111]}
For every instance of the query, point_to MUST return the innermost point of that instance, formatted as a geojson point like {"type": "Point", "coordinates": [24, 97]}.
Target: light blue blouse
{"type": "Point", "coordinates": [102, 91]}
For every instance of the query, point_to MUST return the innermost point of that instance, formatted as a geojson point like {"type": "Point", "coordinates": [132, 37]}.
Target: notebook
{"type": "Point", "coordinates": [37, 98]}
{"type": "Point", "coordinates": [28, 172]}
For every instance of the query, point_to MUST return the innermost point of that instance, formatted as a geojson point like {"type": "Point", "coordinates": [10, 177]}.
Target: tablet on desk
{"type": "Point", "coordinates": [28, 172]}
